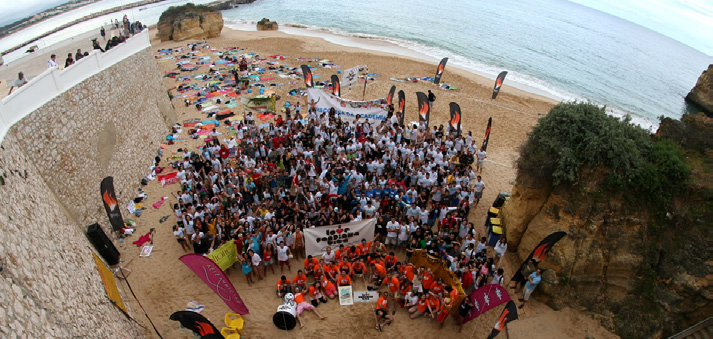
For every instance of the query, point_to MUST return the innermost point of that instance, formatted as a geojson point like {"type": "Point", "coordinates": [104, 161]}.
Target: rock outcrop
{"type": "Point", "coordinates": [702, 94]}
{"type": "Point", "coordinates": [615, 253]}
{"type": "Point", "coordinates": [189, 22]}
{"type": "Point", "coordinates": [266, 25]}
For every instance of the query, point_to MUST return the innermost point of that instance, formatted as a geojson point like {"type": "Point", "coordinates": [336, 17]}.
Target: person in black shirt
{"type": "Point", "coordinates": [463, 311]}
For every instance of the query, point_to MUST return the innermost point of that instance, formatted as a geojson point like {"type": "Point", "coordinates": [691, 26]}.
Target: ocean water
{"type": "Point", "coordinates": [551, 47]}
{"type": "Point", "coordinates": [561, 49]}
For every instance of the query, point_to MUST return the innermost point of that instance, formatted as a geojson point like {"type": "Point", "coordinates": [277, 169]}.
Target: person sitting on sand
{"type": "Point", "coordinates": [382, 311]}
{"type": "Point", "coordinates": [303, 305]}
{"type": "Point", "coordinates": [283, 286]}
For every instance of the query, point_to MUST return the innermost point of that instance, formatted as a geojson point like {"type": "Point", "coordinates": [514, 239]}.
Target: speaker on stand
{"type": "Point", "coordinates": [103, 244]}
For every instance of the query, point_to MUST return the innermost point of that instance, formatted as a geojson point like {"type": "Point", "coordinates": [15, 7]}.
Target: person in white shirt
{"type": "Point", "coordinates": [479, 187]}
{"type": "Point", "coordinates": [52, 62]}
{"type": "Point", "coordinates": [481, 154]}
{"type": "Point", "coordinates": [328, 256]}
{"type": "Point", "coordinates": [500, 248]}
{"type": "Point", "coordinates": [392, 229]}
{"type": "Point", "coordinates": [283, 256]}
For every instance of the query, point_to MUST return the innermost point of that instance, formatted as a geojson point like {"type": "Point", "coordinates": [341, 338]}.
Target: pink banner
{"type": "Point", "coordinates": [214, 277]}
{"type": "Point", "coordinates": [486, 298]}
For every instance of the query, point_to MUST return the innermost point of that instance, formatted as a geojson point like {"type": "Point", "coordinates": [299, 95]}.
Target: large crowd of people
{"type": "Point", "coordinates": [260, 186]}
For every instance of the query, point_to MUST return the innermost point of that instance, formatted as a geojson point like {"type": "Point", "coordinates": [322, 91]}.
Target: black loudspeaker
{"type": "Point", "coordinates": [103, 245]}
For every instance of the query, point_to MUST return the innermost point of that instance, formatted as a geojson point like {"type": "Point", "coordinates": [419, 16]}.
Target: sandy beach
{"type": "Point", "coordinates": [165, 285]}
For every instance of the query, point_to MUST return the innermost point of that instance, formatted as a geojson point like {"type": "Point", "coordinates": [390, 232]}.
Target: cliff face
{"type": "Point", "coordinates": [615, 255]}
{"type": "Point", "coordinates": [189, 22]}
{"type": "Point", "coordinates": [702, 94]}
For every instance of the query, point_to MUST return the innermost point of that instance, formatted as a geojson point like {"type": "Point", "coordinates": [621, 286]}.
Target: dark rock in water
{"type": "Point", "coordinates": [266, 25]}
{"type": "Point", "coordinates": [702, 94]}
{"type": "Point", "coordinates": [180, 23]}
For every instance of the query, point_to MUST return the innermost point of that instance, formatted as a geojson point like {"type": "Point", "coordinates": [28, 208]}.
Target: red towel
{"type": "Point", "coordinates": [143, 239]}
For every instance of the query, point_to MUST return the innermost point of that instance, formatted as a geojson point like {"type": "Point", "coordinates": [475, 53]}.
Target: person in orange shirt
{"type": "Point", "coordinates": [283, 286]}
{"type": "Point", "coordinates": [330, 270]}
{"type": "Point", "coordinates": [420, 308]}
{"type": "Point", "coordinates": [382, 311]}
{"type": "Point", "coordinates": [316, 294]}
{"type": "Point", "coordinates": [378, 273]}
{"type": "Point", "coordinates": [393, 282]}
{"type": "Point", "coordinates": [340, 253]}
{"type": "Point", "coordinates": [310, 263]}
{"type": "Point", "coordinates": [329, 289]}
{"type": "Point", "coordinates": [300, 280]}
{"type": "Point", "coordinates": [343, 279]}
{"type": "Point", "coordinates": [408, 271]}
{"type": "Point", "coordinates": [428, 280]}
{"type": "Point", "coordinates": [364, 248]}
{"type": "Point", "coordinates": [303, 305]}
{"type": "Point", "coordinates": [353, 253]}
{"type": "Point", "coordinates": [345, 265]}
{"type": "Point", "coordinates": [390, 261]}
{"type": "Point", "coordinates": [358, 268]}
{"type": "Point", "coordinates": [433, 304]}
{"type": "Point", "coordinates": [437, 287]}
{"type": "Point", "coordinates": [404, 288]}
{"type": "Point", "coordinates": [318, 272]}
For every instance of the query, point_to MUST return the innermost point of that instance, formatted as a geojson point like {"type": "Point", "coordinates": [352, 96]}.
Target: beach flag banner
{"type": "Point", "coordinates": [424, 109]}
{"type": "Point", "coordinates": [439, 70]}
{"type": "Point", "coordinates": [197, 323]}
{"type": "Point", "coordinates": [373, 110]}
{"type": "Point", "coordinates": [402, 108]}
{"type": "Point", "coordinates": [336, 88]}
{"type": "Point", "coordinates": [319, 238]}
{"type": "Point", "coordinates": [390, 96]}
{"type": "Point", "coordinates": [307, 73]}
{"type": "Point", "coordinates": [486, 139]}
{"type": "Point", "coordinates": [110, 203]}
{"type": "Point", "coordinates": [509, 314]}
{"type": "Point", "coordinates": [455, 123]}
{"type": "Point", "coordinates": [366, 296]}
{"type": "Point", "coordinates": [440, 269]}
{"type": "Point", "coordinates": [350, 76]}
{"type": "Point", "coordinates": [112, 292]}
{"type": "Point", "coordinates": [214, 277]}
{"type": "Point", "coordinates": [345, 296]}
{"type": "Point", "coordinates": [539, 253]}
{"type": "Point", "coordinates": [499, 83]}
{"type": "Point", "coordinates": [224, 256]}
{"type": "Point", "coordinates": [485, 299]}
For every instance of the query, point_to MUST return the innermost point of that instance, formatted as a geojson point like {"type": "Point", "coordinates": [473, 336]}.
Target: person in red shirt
{"type": "Point", "coordinates": [300, 280]}
{"type": "Point", "coordinates": [382, 311]}
{"type": "Point", "coordinates": [267, 257]}
{"type": "Point", "coordinates": [303, 305]}
{"type": "Point", "coordinates": [310, 263]}
{"type": "Point", "coordinates": [224, 152]}
{"type": "Point", "coordinates": [444, 311]}
{"type": "Point", "coordinates": [283, 286]}
{"type": "Point", "coordinates": [343, 279]}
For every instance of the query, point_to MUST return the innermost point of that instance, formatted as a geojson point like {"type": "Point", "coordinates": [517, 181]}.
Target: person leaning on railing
{"type": "Point", "coordinates": [19, 82]}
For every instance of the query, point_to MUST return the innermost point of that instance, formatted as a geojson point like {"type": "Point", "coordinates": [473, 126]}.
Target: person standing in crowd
{"type": "Point", "coordinates": [482, 155]}
{"type": "Point", "coordinates": [52, 62]}
{"type": "Point", "coordinates": [69, 61]}
{"type": "Point", "coordinates": [431, 99]}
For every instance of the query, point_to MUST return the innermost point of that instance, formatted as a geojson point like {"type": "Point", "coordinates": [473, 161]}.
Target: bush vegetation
{"type": "Point", "coordinates": [575, 137]}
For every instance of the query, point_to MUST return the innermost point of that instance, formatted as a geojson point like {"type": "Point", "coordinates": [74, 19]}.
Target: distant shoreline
{"type": "Point", "coordinates": [84, 18]}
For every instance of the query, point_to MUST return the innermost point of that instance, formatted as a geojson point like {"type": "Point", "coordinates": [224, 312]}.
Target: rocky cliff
{"type": "Point", "coordinates": [702, 94]}
{"type": "Point", "coordinates": [189, 22]}
{"type": "Point", "coordinates": [642, 271]}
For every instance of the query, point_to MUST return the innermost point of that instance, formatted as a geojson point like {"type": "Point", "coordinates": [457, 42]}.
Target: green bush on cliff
{"type": "Point", "coordinates": [576, 137]}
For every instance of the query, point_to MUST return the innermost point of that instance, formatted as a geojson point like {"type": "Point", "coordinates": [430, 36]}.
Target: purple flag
{"type": "Point", "coordinates": [214, 277]}
{"type": "Point", "coordinates": [486, 298]}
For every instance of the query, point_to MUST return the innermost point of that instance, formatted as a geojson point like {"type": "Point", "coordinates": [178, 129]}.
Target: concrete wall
{"type": "Point", "coordinates": [51, 165]}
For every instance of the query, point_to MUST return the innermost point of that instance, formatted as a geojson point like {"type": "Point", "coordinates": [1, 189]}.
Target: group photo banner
{"type": "Point", "coordinates": [319, 238]}
{"type": "Point", "coordinates": [373, 110]}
